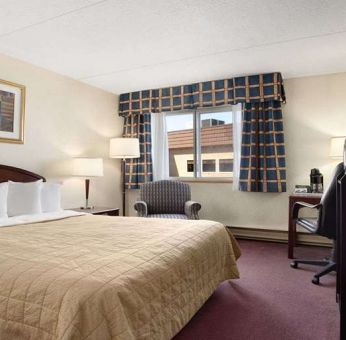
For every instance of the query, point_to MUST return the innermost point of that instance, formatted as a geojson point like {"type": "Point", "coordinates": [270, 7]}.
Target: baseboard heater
{"type": "Point", "coordinates": [278, 236]}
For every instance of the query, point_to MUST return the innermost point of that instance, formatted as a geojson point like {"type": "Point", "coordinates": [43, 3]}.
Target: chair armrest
{"type": "Point", "coordinates": [299, 205]}
{"type": "Point", "coordinates": [191, 210]}
{"type": "Point", "coordinates": [141, 208]}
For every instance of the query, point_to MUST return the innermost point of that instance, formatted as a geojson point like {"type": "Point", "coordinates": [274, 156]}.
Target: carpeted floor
{"type": "Point", "coordinates": [271, 301]}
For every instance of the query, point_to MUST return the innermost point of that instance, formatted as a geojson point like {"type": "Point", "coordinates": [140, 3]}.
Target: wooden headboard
{"type": "Point", "coordinates": [10, 173]}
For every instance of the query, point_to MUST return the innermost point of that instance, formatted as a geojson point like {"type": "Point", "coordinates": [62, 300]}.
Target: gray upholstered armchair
{"type": "Point", "coordinates": [167, 199]}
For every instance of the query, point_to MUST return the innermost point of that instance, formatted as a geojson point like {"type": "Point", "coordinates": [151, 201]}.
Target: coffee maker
{"type": "Point", "coordinates": [316, 181]}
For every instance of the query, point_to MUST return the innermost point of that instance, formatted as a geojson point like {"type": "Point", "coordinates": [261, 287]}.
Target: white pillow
{"type": "Point", "coordinates": [3, 199]}
{"type": "Point", "coordinates": [24, 198]}
{"type": "Point", "coordinates": [51, 197]}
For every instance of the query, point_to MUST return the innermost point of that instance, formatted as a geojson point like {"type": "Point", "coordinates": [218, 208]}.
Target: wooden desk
{"type": "Point", "coordinates": [292, 228]}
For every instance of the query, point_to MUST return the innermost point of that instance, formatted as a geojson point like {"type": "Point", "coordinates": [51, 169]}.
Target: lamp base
{"type": "Point", "coordinates": [87, 208]}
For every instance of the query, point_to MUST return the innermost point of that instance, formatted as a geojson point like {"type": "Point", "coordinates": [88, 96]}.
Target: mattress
{"type": "Point", "coordinates": [101, 277]}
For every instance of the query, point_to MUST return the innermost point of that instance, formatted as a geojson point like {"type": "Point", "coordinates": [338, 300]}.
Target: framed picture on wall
{"type": "Point", "coordinates": [12, 107]}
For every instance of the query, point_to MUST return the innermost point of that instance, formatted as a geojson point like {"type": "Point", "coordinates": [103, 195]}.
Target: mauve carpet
{"type": "Point", "coordinates": [271, 300]}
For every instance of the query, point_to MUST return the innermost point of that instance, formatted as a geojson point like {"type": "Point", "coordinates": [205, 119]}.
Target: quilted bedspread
{"type": "Point", "coordinates": [101, 277]}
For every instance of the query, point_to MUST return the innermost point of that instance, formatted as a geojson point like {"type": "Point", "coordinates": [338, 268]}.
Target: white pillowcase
{"type": "Point", "coordinates": [51, 197]}
{"type": "Point", "coordinates": [24, 198]}
{"type": "Point", "coordinates": [3, 199]}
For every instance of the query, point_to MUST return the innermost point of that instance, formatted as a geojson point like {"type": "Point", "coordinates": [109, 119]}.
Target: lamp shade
{"type": "Point", "coordinates": [124, 148]}
{"type": "Point", "coordinates": [88, 167]}
{"type": "Point", "coordinates": [337, 147]}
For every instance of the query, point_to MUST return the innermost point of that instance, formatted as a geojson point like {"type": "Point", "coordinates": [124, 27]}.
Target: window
{"type": "Point", "coordinates": [180, 144]}
{"type": "Point", "coordinates": [226, 165]}
{"type": "Point", "coordinates": [208, 165]}
{"type": "Point", "coordinates": [190, 166]}
{"type": "Point", "coordinates": [200, 143]}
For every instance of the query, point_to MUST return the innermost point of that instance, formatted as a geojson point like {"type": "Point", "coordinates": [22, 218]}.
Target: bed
{"type": "Point", "coordinates": [101, 277]}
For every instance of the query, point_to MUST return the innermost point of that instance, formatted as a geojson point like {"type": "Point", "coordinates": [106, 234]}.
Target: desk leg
{"type": "Point", "coordinates": [291, 231]}
{"type": "Point", "coordinates": [291, 240]}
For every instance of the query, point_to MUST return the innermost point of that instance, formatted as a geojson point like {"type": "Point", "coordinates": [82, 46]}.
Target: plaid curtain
{"type": "Point", "coordinates": [138, 170]}
{"type": "Point", "coordinates": [262, 165]}
{"type": "Point", "coordinates": [263, 153]}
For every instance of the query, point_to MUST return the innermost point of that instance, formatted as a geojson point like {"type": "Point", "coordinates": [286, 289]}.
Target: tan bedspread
{"type": "Point", "coordinates": [100, 277]}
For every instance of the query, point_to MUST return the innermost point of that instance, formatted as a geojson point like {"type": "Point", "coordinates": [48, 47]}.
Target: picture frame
{"type": "Point", "coordinates": [12, 112]}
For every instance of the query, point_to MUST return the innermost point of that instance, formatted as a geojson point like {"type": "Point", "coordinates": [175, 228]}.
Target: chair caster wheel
{"type": "Point", "coordinates": [294, 264]}
{"type": "Point", "coordinates": [316, 280]}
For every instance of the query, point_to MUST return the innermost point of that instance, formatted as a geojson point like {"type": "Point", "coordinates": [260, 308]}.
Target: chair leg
{"type": "Point", "coordinates": [329, 265]}
{"type": "Point", "coordinates": [329, 268]}
{"type": "Point", "coordinates": [294, 263]}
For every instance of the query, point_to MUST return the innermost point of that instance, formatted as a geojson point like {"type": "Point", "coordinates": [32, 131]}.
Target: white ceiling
{"type": "Point", "coordinates": [126, 45]}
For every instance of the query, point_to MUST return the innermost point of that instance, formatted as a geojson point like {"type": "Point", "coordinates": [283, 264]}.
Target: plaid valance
{"type": "Point", "coordinates": [247, 89]}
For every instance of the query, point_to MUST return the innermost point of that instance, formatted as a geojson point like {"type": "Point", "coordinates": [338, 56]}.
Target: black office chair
{"type": "Point", "coordinates": [324, 225]}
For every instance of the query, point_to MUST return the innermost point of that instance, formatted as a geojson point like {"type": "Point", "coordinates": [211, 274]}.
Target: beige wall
{"type": "Point", "coordinates": [64, 118]}
{"type": "Point", "coordinates": [315, 111]}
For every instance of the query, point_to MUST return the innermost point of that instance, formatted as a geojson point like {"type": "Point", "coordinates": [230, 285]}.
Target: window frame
{"type": "Point", "coordinates": [196, 114]}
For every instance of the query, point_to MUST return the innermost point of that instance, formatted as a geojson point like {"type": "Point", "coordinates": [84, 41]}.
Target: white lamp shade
{"type": "Point", "coordinates": [337, 147]}
{"type": "Point", "coordinates": [88, 167]}
{"type": "Point", "coordinates": [124, 148]}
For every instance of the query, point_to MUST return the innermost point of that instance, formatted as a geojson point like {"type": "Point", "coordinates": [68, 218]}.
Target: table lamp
{"type": "Point", "coordinates": [87, 167]}
{"type": "Point", "coordinates": [124, 148]}
{"type": "Point", "coordinates": [337, 147]}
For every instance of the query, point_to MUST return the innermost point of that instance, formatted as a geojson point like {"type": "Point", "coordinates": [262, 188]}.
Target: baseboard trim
{"type": "Point", "coordinates": [278, 236]}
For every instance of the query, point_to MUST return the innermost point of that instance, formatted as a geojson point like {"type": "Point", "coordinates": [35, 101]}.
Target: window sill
{"type": "Point", "coordinates": [203, 180]}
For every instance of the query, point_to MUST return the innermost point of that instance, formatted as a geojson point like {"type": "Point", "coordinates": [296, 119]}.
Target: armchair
{"type": "Point", "coordinates": [167, 199]}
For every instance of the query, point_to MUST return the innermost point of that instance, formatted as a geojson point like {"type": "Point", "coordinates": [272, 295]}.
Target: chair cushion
{"type": "Point", "coordinates": [176, 216]}
{"type": "Point", "coordinates": [165, 197]}
{"type": "Point", "coordinates": [308, 223]}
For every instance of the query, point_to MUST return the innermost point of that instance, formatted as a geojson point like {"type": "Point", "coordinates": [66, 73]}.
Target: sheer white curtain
{"type": "Point", "coordinates": [237, 131]}
{"type": "Point", "coordinates": [159, 146]}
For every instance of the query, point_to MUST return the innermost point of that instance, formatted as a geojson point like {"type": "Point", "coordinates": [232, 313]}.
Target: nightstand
{"type": "Point", "coordinates": [99, 211]}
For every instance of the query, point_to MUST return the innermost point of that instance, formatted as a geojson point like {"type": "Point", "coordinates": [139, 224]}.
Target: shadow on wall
{"type": "Point", "coordinates": [58, 168]}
